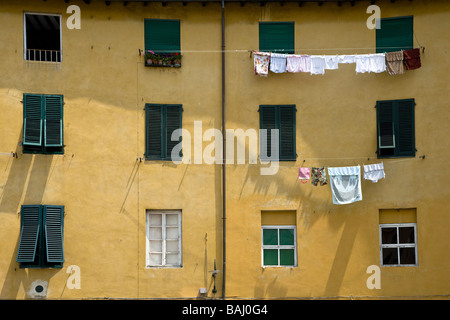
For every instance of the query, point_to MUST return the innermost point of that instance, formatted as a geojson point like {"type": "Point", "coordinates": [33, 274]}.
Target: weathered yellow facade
{"type": "Point", "coordinates": [106, 185]}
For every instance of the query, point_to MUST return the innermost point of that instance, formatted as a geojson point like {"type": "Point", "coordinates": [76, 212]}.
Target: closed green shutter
{"type": "Point", "coordinates": [53, 122]}
{"type": "Point", "coordinates": [395, 34]}
{"type": "Point", "coordinates": [277, 37]}
{"type": "Point", "coordinates": [153, 128]}
{"type": "Point", "coordinates": [32, 120]}
{"type": "Point", "coordinates": [162, 36]}
{"type": "Point", "coordinates": [406, 135]}
{"type": "Point", "coordinates": [29, 233]}
{"type": "Point", "coordinates": [385, 113]}
{"type": "Point", "coordinates": [53, 227]}
{"type": "Point", "coordinates": [287, 133]}
{"type": "Point", "coordinates": [173, 122]}
{"type": "Point", "coordinates": [268, 120]}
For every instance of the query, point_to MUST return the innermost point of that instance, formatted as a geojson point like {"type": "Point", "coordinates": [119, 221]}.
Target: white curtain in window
{"type": "Point", "coordinates": [345, 184]}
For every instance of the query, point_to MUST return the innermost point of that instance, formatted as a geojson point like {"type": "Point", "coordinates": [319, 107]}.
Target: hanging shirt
{"type": "Point", "coordinates": [394, 62]}
{"type": "Point", "coordinates": [412, 59]}
{"type": "Point", "coordinates": [293, 63]}
{"type": "Point", "coordinates": [305, 63]}
{"type": "Point", "coordinates": [304, 174]}
{"type": "Point", "coordinates": [278, 62]}
{"type": "Point", "coordinates": [374, 172]}
{"type": "Point", "coordinates": [377, 62]}
{"type": "Point", "coordinates": [261, 62]}
{"type": "Point", "coordinates": [318, 176]}
{"type": "Point", "coordinates": [346, 58]}
{"type": "Point", "coordinates": [317, 65]}
{"type": "Point", "coordinates": [331, 62]}
{"type": "Point", "coordinates": [362, 63]}
{"type": "Point", "coordinates": [345, 184]}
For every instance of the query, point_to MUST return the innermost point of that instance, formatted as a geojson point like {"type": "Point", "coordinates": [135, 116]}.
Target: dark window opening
{"type": "Point", "coordinates": [42, 37]}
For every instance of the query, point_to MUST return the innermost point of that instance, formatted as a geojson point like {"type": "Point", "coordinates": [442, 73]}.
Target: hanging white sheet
{"type": "Point", "coordinates": [345, 184]}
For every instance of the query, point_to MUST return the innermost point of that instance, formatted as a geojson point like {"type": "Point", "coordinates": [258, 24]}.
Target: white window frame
{"type": "Point", "coordinates": [398, 245]}
{"type": "Point", "coordinates": [164, 251]}
{"type": "Point", "coordinates": [278, 246]}
{"type": "Point", "coordinates": [25, 34]}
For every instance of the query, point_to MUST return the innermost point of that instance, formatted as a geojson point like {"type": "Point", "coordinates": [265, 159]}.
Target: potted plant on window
{"type": "Point", "coordinates": [177, 59]}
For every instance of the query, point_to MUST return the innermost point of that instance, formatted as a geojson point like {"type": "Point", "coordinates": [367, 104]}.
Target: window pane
{"type": "Point", "coordinates": [270, 257]}
{"type": "Point", "coordinates": [406, 234]}
{"type": "Point", "coordinates": [155, 246]}
{"type": "Point", "coordinates": [155, 219]}
{"type": "Point", "coordinates": [407, 256]}
{"type": "Point", "coordinates": [172, 245]}
{"type": "Point", "coordinates": [155, 259]}
{"type": "Point", "coordinates": [172, 233]}
{"type": "Point", "coordinates": [389, 235]}
{"type": "Point", "coordinates": [287, 237]}
{"type": "Point", "coordinates": [172, 219]}
{"type": "Point", "coordinates": [172, 259]}
{"type": "Point", "coordinates": [270, 237]}
{"type": "Point", "coordinates": [390, 256]}
{"type": "Point", "coordinates": [287, 257]}
{"type": "Point", "coordinates": [155, 233]}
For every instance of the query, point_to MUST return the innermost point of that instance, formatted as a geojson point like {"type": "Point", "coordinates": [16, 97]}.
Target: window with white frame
{"type": "Point", "coordinates": [279, 246]}
{"type": "Point", "coordinates": [398, 244]}
{"type": "Point", "coordinates": [163, 238]}
{"type": "Point", "coordinates": [42, 37]}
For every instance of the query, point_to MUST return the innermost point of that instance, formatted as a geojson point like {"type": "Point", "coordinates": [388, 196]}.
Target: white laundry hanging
{"type": "Point", "coordinates": [374, 172]}
{"type": "Point", "coordinates": [345, 184]}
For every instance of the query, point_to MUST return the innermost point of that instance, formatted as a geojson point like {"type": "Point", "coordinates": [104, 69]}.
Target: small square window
{"type": "Point", "coordinates": [395, 34]}
{"type": "Point", "coordinates": [398, 244]}
{"type": "Point", "coordinates": [279, 246]}
{"type": "Point", "coordinates": [276, 37]}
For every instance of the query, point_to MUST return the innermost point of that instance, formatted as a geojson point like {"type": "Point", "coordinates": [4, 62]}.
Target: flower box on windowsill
{"type": "Point", "coordinates": [171, 60]}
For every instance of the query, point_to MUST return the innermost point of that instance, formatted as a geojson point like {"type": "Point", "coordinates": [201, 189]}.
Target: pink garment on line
{"type": "Point", "coordinates": [304, 173]}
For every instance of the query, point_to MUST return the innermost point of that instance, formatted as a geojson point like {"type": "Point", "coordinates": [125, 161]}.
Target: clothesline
{"type": "Point", "coordinates": [391, 62]}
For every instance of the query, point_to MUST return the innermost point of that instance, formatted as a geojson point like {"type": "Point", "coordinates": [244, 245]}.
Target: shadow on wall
{"type": "Point", "coordinates": [25, 184]}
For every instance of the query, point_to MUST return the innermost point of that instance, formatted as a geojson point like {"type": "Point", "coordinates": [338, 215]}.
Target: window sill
{"type": "Point", "coordinates": [162, 64]}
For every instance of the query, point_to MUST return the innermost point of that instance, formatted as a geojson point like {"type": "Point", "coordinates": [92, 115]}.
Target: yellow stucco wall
{"type": "Point", "coordinates": [106, 190]}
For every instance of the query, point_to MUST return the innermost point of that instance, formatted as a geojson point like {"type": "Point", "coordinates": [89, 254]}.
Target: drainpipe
{"type": "Point", "coordinates": [223, 153]}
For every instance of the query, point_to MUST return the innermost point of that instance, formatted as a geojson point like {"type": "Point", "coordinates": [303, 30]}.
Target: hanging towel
{"type": "Point", "coordinates": [293, 63]}
{"type": "Point", "coordinates": [345, 184]}
{"type": "Point", "coordinates": [261, 63]}
{"type": "Point", "coordinates": [377, 62]}
{"type": "Point", "coordinates": [362, 63]}
{"type": "Point", "coordinates": [346, 58]}
{"type": "Point", "coordinates": [278, 62]}
{"type": "Point", "coordinates": [331, 62]}
{"type": "Point", "coordinates": [317, 65]}
{"type": "Point", "coordinates": [374, 172]}
{"type": "Point", "coordinates": [304, 174]}
{"type": "Point", "coordinates": [412, 59]}
{"type": "Point", "coordinates": [394, 62]}
{"type": "Point", "coordinates": [318, 176]}
{"type": "Point", "coordinates": [305, 63]}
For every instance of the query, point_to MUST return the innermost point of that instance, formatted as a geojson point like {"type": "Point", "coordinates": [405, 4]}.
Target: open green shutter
{"type": "Point", "coordinates": [406, 136]}
{"type": "Point", "coordinates": [385, 121]}
{"type": "Point", "coordinates": [173, 122]}
{"type": "Point", "coordinates": [268, 121]}
{"type": "Point", "coordinates": [287, 133]}
{"type": "Point", "coordinates": [277, 37]}
{"type": "Point", "coordinates": [53, 121]}
{"type": "Point", "coordinates": [162, 36]}
{"type": "Point", "coordinates": [29, 233]}
{"type": "Point", "coordinates": [53, 227]}
{"type": "Point", "coordinates": [32, 119]}
{"type": "Point", "coordinates": [153, 132]}
{"type": "Point", "coordinates": [395, 34]}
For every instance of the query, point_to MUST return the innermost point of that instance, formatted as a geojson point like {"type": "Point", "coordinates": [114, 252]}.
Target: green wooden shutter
{"type": "Point", "coordinates": [268, 120]}
{"type": "Point", "coordinates": [29, 233]}
{"type": "Point", "coordinates": [287, 133]}
{"type": "Point", "coordinates": [385, 123]}
{"type": "Point", "coordinates": [395, 34]}
{"type": "Point", "coordinates": [53, 121]}
{"type": "Point", "coordinates": [277, 37]}
{"type": "Point", "coordinates": [406, 136]}
{"type": "Point", "coordinates": [53, 227]}
{"type": "Point", "coordinates": [162, 36]}
{"type": "Point", "coordinates": [32, 119]}
{"type": "Point", "coordinates": [172, 122]}
{"type": "Point", "coordinates": [153, 132]}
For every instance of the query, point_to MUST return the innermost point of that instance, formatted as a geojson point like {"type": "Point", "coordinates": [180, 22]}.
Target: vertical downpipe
{"type": "Point", "coordinates": [223, 153]}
